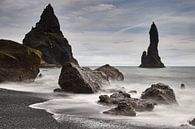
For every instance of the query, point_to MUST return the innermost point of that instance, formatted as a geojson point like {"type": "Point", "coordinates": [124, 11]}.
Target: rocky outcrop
{"type": "Point", "coordinates": [118, 97]}
{"type": "Point", "coordinates": [111, 72]}
{"type": "Point", "coordinates": [115, 98]}
{"type": "Point", "coordinates": [123, 108]}
{"type": "Point", "coordinates": [47, 37]}
{"type": "Point", "coordinates": [75, 79]}
{"type": "Point", "coordinates": [160, 94]}
{"type": "Point", "coordinates": [80, 80]}
{"type": "Point", "coordinates": [192, 122]}
{"type": "Point", "coordinates": [151, 58]}
{"type": "Point", "coordinates": [17, 62]}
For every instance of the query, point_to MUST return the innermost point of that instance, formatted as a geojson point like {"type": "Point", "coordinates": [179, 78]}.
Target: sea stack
{"type": "Point", "coordinates": [151, 58]}
{"type": "Point", "coordinates": [47, 37]}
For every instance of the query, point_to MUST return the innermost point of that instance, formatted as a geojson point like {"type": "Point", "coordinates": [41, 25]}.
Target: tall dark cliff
{"type": "Point", "coordinates": [47, 37]}
{"type": "Point", "coordinates": [151, 58]}
{"type": "Point", "coordinates": [49, 22]}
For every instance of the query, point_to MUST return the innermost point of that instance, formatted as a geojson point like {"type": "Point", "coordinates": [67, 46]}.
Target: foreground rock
{"type": "Point", "coordinates": [151, 58]}
{"type": "Point", "coordinates": [192, 122]}
{"type": "Point", "coordinates": [118, 97]}
{"type": "Point", "coordinates": [80, 80]}
{"type": "Point", "coordinates": [17, 62]}
{"type": "Point", "coordinates": [160, 94]}
{"type": "Point", "coordinates": [47, 37]}
{"type": "Point", "coordinates": [123, 108]}
{"type": "Point", "coordinates": [111, 72]}
{"type": "Point", "coordinates": [75, 79]}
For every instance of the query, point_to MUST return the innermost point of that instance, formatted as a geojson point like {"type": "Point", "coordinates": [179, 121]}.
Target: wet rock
{"type": "Point", "coordinates": [160, 93]}
{"type": "Point", "coordinates": [40, 75]}
{"type": "Point", "coordinates": [76, 79]}
{"type": "Point", "coordinates": [47, 37]}
{"type": "Point", "coordinates": [120, 94]}
{"type": "Point", "coordinates": [80, 80]}
{"type": "Point", "coordinates": [192, 122]}
{"type": "Point", "coordinates": [104, 99]}
{"type": "Point", "coordinates": [125, 109]}
{"type": "Point", "coordinates": [17, 62]}
{"type": "Point", "coordinates": [141, 105]}
{"type": "Point", "coordinates": [182, 86]}
{"type": "Point", "coordinates": [116, 98]}
{"type": "Point", "coordinates": [133, 91]}
{"type": "Point", "coordinates": [59, 90]}
{"type": "Point", "coordinates": [151, 58]}
{"type": "Point", "coordinates": [111, 72]}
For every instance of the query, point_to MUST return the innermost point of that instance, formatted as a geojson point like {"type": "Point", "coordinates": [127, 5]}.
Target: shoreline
{"type": "Point", "coordinates": [16, 112]}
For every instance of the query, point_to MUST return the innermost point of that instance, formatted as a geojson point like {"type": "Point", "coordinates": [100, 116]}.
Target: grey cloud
{"type": "Point", "coordinates": [109, 30]}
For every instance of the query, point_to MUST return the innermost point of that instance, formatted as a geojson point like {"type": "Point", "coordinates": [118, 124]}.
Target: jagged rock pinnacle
{"type": "Point", "coordinates": [49, 21]}
{"type": "Point", "coordinates": [151, 58]}
{"type": "Point", "coordinates": [47, 37]}
{"type": "Point", "coordinates": [153, 48]}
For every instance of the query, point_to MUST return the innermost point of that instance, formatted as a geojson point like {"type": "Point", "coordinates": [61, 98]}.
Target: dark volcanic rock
{"type": "Point", "coordinates": [47, 37]}
{"type": "Point", "coordinates": [118, 97]}
{"type": "Point", "coordinates": [111, 72]}
{"type": "Point", "coordinates": [75, 79]}
{"type": "Point", "coordinates": [182, 86]}
{"type": "Point", "coordinates": [160, 94]}
{"type": "Point", "coordinates": [58, 90]}
{"type": "Point", "coordinates": [141, 105]}
{"type": "Point", "coordinates": [151, 58]}
{"type": "Point", "coordinates": [80, 80]}
{"type": "Point", "coordinates": [115, 98]}
{"type": "Point", "coordinates": [133, 91]}
{"type": "Point", "coordinates": [125, 109]}
{"type": "Point", "coordinates": [17, 62]}
{"type": "Point", "coordinates": [192, 122]}
{"type": "Point", "coordinates": [120, 94]}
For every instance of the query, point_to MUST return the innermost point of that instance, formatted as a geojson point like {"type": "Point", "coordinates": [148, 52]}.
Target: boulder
{"type": "Point", "coordinates": [160, 93]}
{"type": "Point", "coordinates": [141, 105]}
{"type": "Point", "coordinates": [76, 79]}
{"type": "Point", "coordinates": [151, 58]}
{"type": "Point", "coordinates": [47, 37]}
{"type": "Point", "coordinates": [80, 80]}
{"type": "Point", "coordinates": [17, 62]}
{"type": "Point", "coordinates": [111, 72]}
{"type": "Point", "coordinates": [120, 94]}
{"type": "Point", "coordinates": [125, 109]}
{"type": "Point", "coordinates": [182, 86]}
{"type": "Point", "coordinates": [192, 122]}
{"type": "Point", "coordinates": [116, 98]}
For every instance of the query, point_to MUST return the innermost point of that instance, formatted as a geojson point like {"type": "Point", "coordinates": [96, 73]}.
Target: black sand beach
{"type": "Point", "coordinates": [15, 112]}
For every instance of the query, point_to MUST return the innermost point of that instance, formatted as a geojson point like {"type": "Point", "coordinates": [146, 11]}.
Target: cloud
{"type": "Point", "coordinates": [110, 31]}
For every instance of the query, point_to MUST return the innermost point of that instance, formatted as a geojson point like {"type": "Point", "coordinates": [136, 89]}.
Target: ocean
{"type": "Point", "coordinates": [83, 109]}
